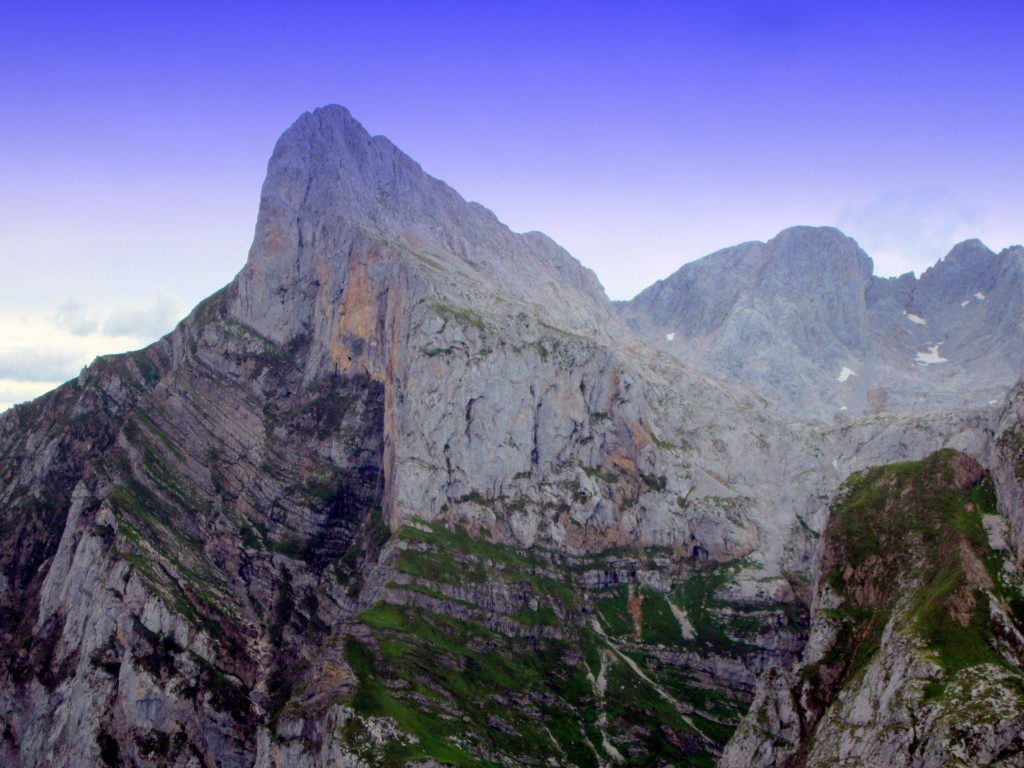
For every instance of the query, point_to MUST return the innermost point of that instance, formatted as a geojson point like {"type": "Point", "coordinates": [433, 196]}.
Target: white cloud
{"type": "Point", "coordinates": [27, 364]}
{"type": "Point", "coordinates": [149, 322]}
{"type": "Point", "coordinates": [42, 347]}
{"type": "Point", "coordinates": [13, 392]}
{"type": "Point", "coordinates": [74, 317]}
{"type": "Point", "coordinates": [907, 231]}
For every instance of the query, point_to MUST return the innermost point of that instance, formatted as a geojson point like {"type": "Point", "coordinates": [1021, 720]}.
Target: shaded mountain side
{"type": "Point", "coordinates": [801, 321]}
{"type": "Point", "coordinates": [406, 490]}
{"type": "Point", "coordinates": [915, 650]}
{"type": "Point", "coordinates": [166, 606]}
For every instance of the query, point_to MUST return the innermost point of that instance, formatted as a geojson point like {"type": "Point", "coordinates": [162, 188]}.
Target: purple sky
{"type": "Point", "coordinates": [135, 136]}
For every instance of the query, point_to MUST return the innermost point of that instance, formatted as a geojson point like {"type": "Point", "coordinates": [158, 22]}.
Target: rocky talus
{"type": "Point", "coordinates": [410, 491]}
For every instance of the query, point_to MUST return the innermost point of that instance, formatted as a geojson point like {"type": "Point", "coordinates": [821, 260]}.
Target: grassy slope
{"type": "Point", "coordinates": [517, 684]}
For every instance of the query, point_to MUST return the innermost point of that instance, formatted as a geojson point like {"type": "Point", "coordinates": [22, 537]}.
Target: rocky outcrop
{"type": "Point", "coordinates": [915, 646]}
{"type": "Point", "coordinates": [1008, 467]}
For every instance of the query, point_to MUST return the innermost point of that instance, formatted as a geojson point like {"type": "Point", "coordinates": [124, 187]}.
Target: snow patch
{"type": "Point", "coordinates": [932, 355]}
{"type": "Point", "coordinates": [845, 374]}
{"type": "Point", "coordinates": [915, 318]}
{"type": "Point", "coordinates": [965, 303]}
{"type": "Point", "coordinates": [979, 296]}
{"type": "Point", "coordinates": [670, 336]}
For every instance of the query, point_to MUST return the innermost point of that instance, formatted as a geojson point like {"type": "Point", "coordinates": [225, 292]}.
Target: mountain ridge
{"type": "Point", "coordinates": [387, 499]}
{"type": "Point", "coordinates": [802, 322]}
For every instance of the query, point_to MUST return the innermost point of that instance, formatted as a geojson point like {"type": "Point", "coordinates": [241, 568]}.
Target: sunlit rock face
{"type": "Point", "coordinates": [410, 490]}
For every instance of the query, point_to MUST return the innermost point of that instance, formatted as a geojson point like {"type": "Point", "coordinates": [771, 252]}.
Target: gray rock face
{"type": "Point", "coordinates": [802, 322]}
{"type": "Point", "coordinates": [338, 514]}
{"type": "Point", "coordinates": [333, 192]}
{"type": "Point", "coordinates": [1008, 466]}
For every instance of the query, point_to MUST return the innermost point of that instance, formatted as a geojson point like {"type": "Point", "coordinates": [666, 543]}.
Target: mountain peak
{"type": "Point", "coordinates": [792, 315]}
{"type": "Point", "coordinates": [327, 162]}
{"type": "Point", "coordinates": [812, 232]}
{"type": "Point", "coordinates": [967, 254]}
{"type": "Point", "coordinates": [806, 261]}
{"type": "Point", "coordinates": [333, 191]}
{"type": "Point", "coordinates": [969, 266]}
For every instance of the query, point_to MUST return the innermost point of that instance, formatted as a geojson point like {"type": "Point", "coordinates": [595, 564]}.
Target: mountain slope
{"type": "Point", "coordinates": [916, 646]}
{"type": "Point", "coordinates": [407, 489]}
{"type": "Point", "coordinates": [223, 523]}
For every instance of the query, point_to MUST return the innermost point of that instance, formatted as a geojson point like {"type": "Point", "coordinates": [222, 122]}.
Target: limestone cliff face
{"type": "Point", "coordinates": [409, 490]}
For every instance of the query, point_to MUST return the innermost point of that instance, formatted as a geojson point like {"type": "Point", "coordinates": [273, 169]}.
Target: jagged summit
{"type": "Point", "coordinates": [326, 163]}
{"type": "Point", "coordinates": [331, 189]}
{"type": "Point", "coordinates": [802, 321]}
{"type": "Point", "coordinates": [826, 246]}
{"type": "Point", "coordinates": [969, 268]}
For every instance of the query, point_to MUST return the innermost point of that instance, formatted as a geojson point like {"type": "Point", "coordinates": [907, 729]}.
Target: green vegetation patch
{"type": "Point", "coordinates": [630, 700]}
{"type": "Point", "coordinates": [696, 596]}
{"type": "Point", "coordinates": [597, 473]}
{"type": "Point", "coordinates": [624, 609]}
{"type": "Point", "coordinates": [451, 683]}
{"type": "Point", "coordinates": [444, 555]}
{"type": "Point", "coordinates": [655, 482]}
{"type": "Point", "coordinates": [460, 316]}
{"type": "Point", "coordinates": [665, 445]}
{"type": "Point", "coordinates": [147, 369]}
{"type": "Point", "coordinates": [161, 544]}
{"type": "Point", "coordinates": [470, 694]}
{"type": "Point", "coordinates": [908, 525]}
{"type": "Point", "coordinates": [613, 613]}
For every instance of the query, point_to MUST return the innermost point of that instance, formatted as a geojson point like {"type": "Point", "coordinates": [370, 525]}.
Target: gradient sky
{"type": "Point", "coordinates": [134, 137]}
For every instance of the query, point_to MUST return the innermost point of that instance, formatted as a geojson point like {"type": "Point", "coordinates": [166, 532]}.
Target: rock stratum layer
{"type": "Point", "coordinates": [410, 491]}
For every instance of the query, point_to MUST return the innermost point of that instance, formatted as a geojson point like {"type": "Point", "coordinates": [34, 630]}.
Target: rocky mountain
{"type": "Point", "coordinates": [802, 321]}
{"type": "Point", "coordinates": [410, 490]}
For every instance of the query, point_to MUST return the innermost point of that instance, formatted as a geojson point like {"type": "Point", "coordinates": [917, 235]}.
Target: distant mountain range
{"type": "Point", "coordinates": [802, 321]}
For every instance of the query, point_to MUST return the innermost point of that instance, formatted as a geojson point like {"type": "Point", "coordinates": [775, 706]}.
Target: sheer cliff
{"type": "Point", "coordinates": [410, 490]}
